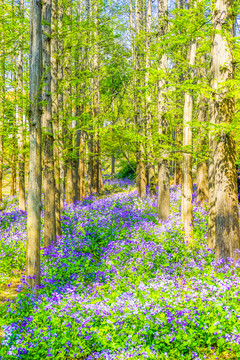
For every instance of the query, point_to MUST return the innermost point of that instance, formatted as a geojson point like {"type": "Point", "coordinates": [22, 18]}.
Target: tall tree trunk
{"type": "Point", "coordinates": [226, 217]}
{"type": "Point", "coordinates": [61, 128]}
{"type": "Point", "coordinates": [82, 190]}
{"type": "Point", "coordinates": [14, 158]}
{"type": "Point", "coordinates": [140, 154]}
{"type": "Point", "coordinates": [202, 117]}
{"type": "Point", "coordinates": [55, 117]}
{"type": "Point", "coordinates": [48, 162]}
{"type": "Point", "coordinates": [21, 154]}
{"type": "Point", "coordinates": [34, 184]}
{"type": "Point", "coordinates": [163, 168]}
{"type": "Point", "coordinates": [2, 102]}
{"type": "Point", "coordinates": [68, 109]}
{"type": "Point", "coordinates": [187, 183]}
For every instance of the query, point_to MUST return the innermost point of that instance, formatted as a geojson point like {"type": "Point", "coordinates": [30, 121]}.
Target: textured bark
{"type": "Point", "coordinates": [2, 105]}
{"type": "Point", "coordinates": [21, 154]}
{"type": "Point", "coordinates": [187, 184]}
{"type": "Point", "coordinates": [34, 184]}
{"type": "Point", "coordinates": [211, 184]}
{"type": "Point", "coordinates": [202, 118]}
{"type": "Point", "coordinates": [14, 159]}
{"type": "Point", "coordinates": [55, 117]}
{"type": "Point", "coordinates": [48, 161]}
{"type": "Point", "coordinates": [139, 61]}
{"type": "Point", "coordinates": [177, 173]}
{"type": "Point", "coordinates": [222, 70]}
{"type": "Point", "coordinates": [61, 128]}
{"type": "Point", "coordinates": [113, 166]}
{"type": "Point", "coordinates": [82, 167]}
{"type": "Point", "coordinates": [68, 111]}
{"type": "Point", "coordinates": [163, 167]}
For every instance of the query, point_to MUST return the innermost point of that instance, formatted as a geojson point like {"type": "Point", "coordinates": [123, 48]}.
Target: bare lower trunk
{"type": "Point", "coordinates": [113, 166]}
{"type": "Point", "coordinates": [163, 167]}
{"type": "Point", "coordinates": [212, 200]}
{"type": "Point", "coordinates": [202, 117]}
{"type": "Point", "coordinates": [163, 190]}
{"type": "Point", "coordinates": [187, 183]}
{"type": "Point", "coordinates": [55, 117]}
{"type": "Point", "coordinates": [222, 71]}
{"type": "Point", "coordinates": [177, 173]}
{"type": "Point", "coordinates": [202, 183]}
{"type": "Point", "coordinates": [48, 162]}
{"type": "Point", "coordinates": [82, 170]}
{"type": "Point", "coordinates": [21, 155]}
{"type": "Point", "coordinates": [34, 186]}
{"type": "Point", "coordinates": [61, 130]}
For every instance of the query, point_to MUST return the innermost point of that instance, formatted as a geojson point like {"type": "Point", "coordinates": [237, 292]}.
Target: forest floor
{"type": "Point", "coordinates": [118, 284]}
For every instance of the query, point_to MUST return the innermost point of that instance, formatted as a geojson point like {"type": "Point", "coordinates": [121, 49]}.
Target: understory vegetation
{"type": "Point", "coordinates": [120, 284]}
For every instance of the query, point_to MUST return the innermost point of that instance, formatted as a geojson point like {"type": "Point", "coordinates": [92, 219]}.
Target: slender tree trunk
{"type": "Point", "coordinates": [187, 183]}
{"type": "Point", "coordinates": [61, 128]}
{"type": "Point", "coordinates": [140, 154]}
{"type": "Point", "coordinates": [163, 168]}
{"type": "Point", "coordinates": [222, 70]}
{"type": "Point", "coordinates": [82, 170]}
{"type": "Point", "coordinates": [34, 185]}
{"type": "Point", "coordinates": [177, 173]}
{"type": "Point", "coordinates": [48, 161]}
{"type": "Point", "coordinates": [2, 104]}
{"type": "Point", "coordinates": [68, 110]}
{"type": "Point", "coordinates": [21, 154]}
{"type": "Point", "coordinates": [14, 159]}
{"type": "Point", "coordinates": [55, 117]}
{"type": "Point", "coordinates": [202, 117]}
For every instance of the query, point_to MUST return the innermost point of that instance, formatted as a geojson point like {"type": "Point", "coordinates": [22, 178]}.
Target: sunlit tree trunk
{"type": "Point", "coordinates": [47, 128]}
{"type": "Point", "coordinates": [139, 58]}
{"type": "Point", "coordinates": [187, 182]}
{"type": "Point", "coordinates": [163, 167]}
{"type": "Point", "coordinates": [82, 167]}
{"type": "Point", "coordinates": [68, 108]}
{"type": "Point", "coordinates": [55, 117]}
{"type": "Point", "coordinates": [34, 184]}
{"type": "Point", "coordinates": [202, 118]}
{"type": "Point", "coordinates": [2, 101]}
{"type": "Point", "coordinates": [61, 128]}
{"type": "Point", "coordinates": [21, 154]}
{"type": "Point", "coordinates": [222, 70]}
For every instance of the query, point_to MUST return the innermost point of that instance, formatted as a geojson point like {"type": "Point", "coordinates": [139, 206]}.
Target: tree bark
{"type": "Point", "coordinates": [202, 118]}
{"type": "Point", "coordinates": [55, 117]}
{"type": "Point", "coordinates": [48, 161]}
{"type": "Point", "coordinates": [68, 110]}
{"type": "Point", "coordinates": [222, 71]}
{"type": "Point", "coordinates": [163, 167]}
{"type": "Point", "coordinates": [34, 185]}
{"type": "Point", "coordinates": [187, 183]}
{"type": "Point", "coordinates": [139, 60]}
{"type": "Point", "coordinates": [21, 154]}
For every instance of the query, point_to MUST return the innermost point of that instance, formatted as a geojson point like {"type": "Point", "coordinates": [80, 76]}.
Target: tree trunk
{"type": "Point", "coordinates": [187, 183]}
{"type": "Point", "coordinates": [21, 154]}
{"type": "Point", "coordinates": [139, 60]}
{"type": "Point", "coordinates": [202, 117]}
{"type": "Point", "coordinates": [222, 69]}
{"type": "Point", "coordinates": [163, 167]}
{"type": "Point", "coordinates": [2, 105]}
{"type": "Point", "coordinates": [48, 162]}
{"type": "Point", "coordinates": [34, 185]}
{"type": "Point", "coordinates": [68, 110]}
{"type": "Point", "coordinates": [61, 129]}
{"type": "Point", "coordinates": [82, 190]}
{"type": "Point", "coordinates": [55, 117]}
